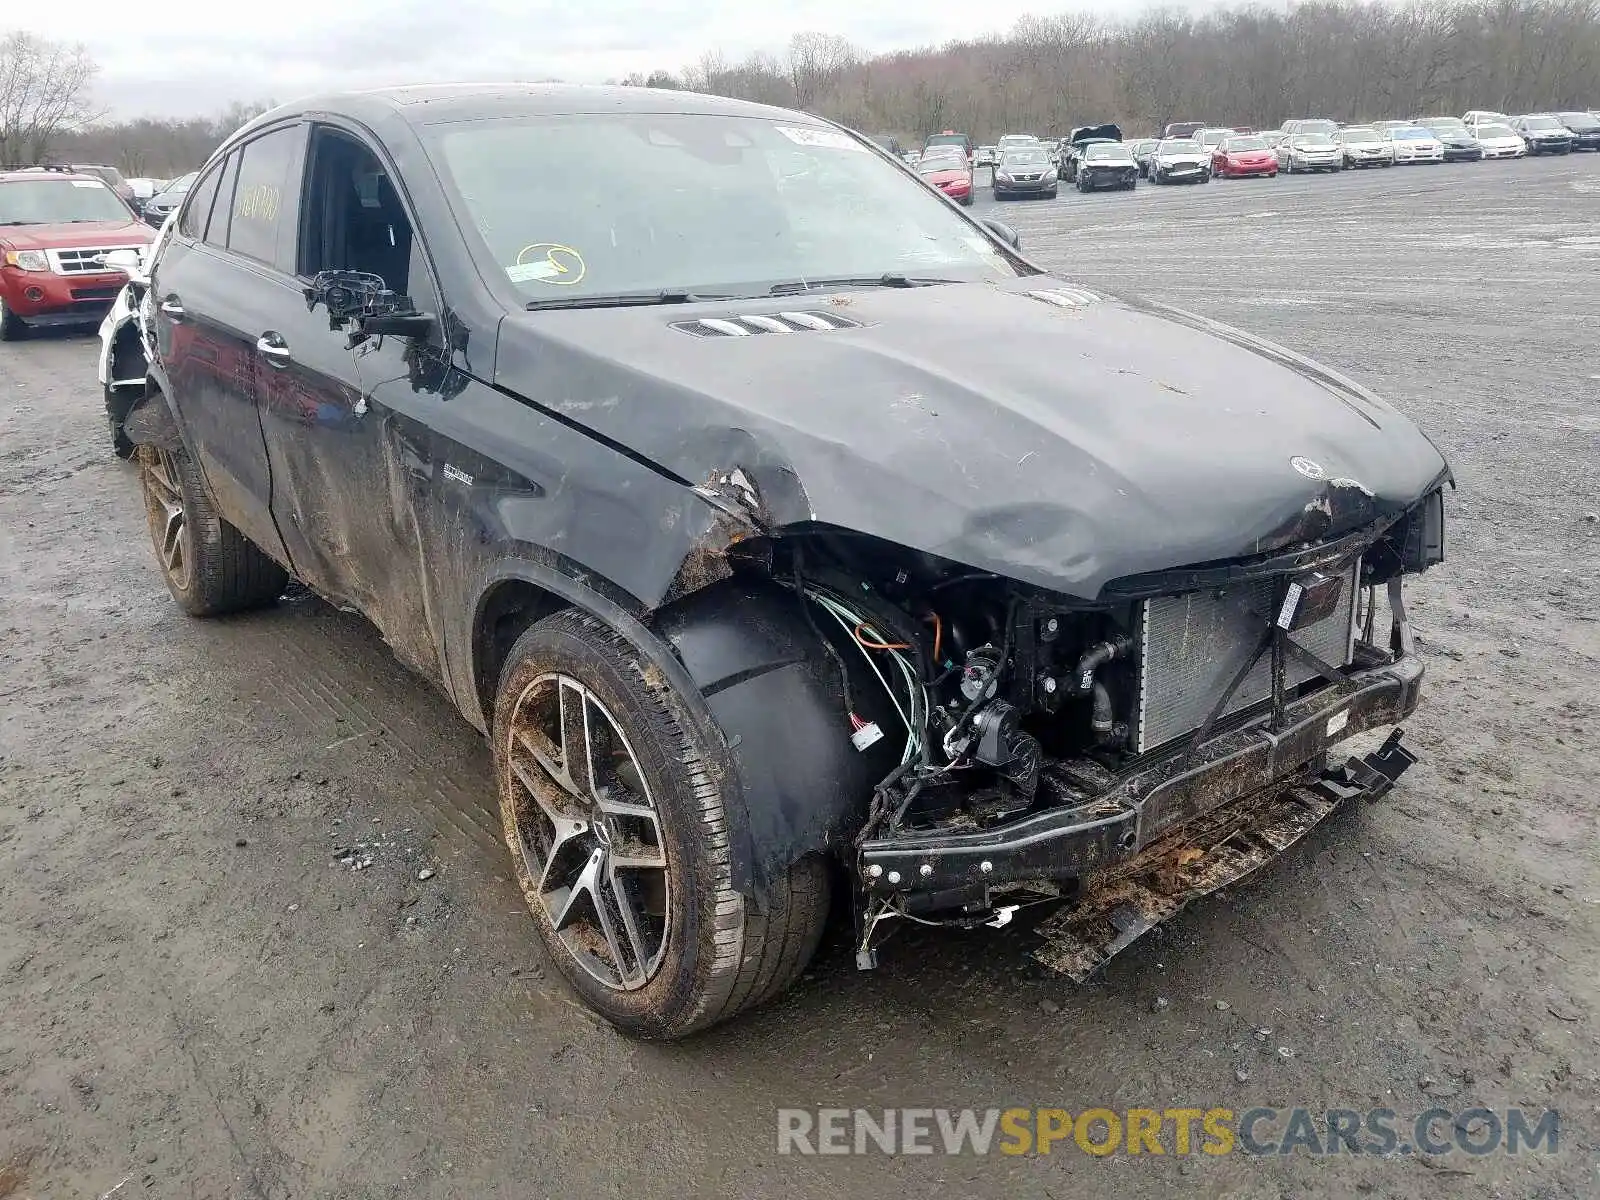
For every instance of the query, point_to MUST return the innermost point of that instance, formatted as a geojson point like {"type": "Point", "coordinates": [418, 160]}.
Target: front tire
{"type": "Point", "coordinates": [616, 815]}
{"type": "Point", "coordinates": [209, 566]}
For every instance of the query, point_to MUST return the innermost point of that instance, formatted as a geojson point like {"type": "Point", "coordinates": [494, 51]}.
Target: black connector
{"type": "Point", "coordinates": [1096, 657]}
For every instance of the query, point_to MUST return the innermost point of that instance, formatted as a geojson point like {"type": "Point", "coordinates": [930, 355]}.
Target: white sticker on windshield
{"type": "Point", "coordinates": [524, 272]}
{"type": "Point", "coordinates": [830, 139]}
{"type": "Point", "coordinates": [90, 183]}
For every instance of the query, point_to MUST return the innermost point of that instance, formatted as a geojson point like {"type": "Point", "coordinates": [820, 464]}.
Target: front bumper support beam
{"type": "Point", "coordinates": [938, 869]}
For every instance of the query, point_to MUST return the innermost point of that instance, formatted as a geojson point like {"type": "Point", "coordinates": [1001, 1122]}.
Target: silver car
{"type": "Point", "coordinates": [1309, 152]}
{"type": "Point", "coordinates": [1364, 146]}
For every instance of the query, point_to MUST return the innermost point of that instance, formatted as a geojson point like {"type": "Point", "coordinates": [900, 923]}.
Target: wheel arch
{"type": "Point", "coordinates": [754, 680]}
{"type": "Point", "coordinates": [151, 421]}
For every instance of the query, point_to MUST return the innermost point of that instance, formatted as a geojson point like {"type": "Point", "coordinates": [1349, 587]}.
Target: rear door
{"type": "Point", "coordinates": [204, 308]}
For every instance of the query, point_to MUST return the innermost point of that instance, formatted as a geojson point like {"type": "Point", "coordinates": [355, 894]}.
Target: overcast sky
{"type": "Point", "coordinates": [180, 57]}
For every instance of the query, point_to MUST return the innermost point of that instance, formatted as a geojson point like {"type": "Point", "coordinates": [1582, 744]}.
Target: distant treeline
{"type": "Point", "coordinates": [152, 147]}
{"type": "Point", "coordinates": [1243, 65]}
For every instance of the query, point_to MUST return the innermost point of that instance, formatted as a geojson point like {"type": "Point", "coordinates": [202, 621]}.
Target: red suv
{"type": "Point", "coordinates": [54, 226]}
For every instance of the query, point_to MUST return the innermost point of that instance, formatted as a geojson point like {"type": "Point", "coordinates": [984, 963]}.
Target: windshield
{"type": "Point", "coordinates": [1411, 135]}
{"type": "Point", "coordinates": [1495, 131]}
{"type": "Point", "coordinates": [47, 201]}
{"type": "Point", "coordinates": [700, 203]}
{"type": "Point", "coordinates": [1176, 146]}
{"type": "Point", "coordinates": [1541, 123]}
{"type": "Point", "coordinates": [1017, 139]}
{"type": "Point", "coordinates": [1312, 141]}
{"type": "Point", "coordinates": [1361, 133]}
{"type": "Point", "coordinates": [1106, 150]}
{"type": "Point", "coordinates": [1024, 158]}
{"type": "Point", "coordinates": [1237, 144]}
{"type": "Point", "coordinates": [1444, 125]}
{"type": "Point", "coordinates": [1327, 127]}
{"type": "Point", "coordinates": [181, 184]}
{"type": "Point", "coordinates": [1213, 137]}
{"type": "Point", "coordinates": [1578, 120]}
{"type": "Point", "coordinates": [932, 164]}
{"type": "Point", "coordinates": [946, 139]}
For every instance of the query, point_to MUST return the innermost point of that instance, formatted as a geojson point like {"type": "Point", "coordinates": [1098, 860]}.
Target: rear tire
{"type": "Point", "coordinates": [209, 566]}
{"type": "Point", "coordinates": [662, 946]}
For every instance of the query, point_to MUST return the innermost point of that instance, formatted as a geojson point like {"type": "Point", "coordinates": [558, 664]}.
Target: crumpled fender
{"type": "Point", "coordinates": [775, 695]}
{"type": "Point", "coordinates": [150, 423]}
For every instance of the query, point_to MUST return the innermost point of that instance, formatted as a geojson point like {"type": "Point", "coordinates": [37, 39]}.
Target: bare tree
{"type": "Point", "coordinates": [44, 92]}
{"type": "Point", "coordinates": [816, 62]}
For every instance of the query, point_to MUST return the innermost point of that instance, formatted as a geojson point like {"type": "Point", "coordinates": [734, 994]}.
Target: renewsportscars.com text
{"type": "Point", "coordinates": [1175, 1131]}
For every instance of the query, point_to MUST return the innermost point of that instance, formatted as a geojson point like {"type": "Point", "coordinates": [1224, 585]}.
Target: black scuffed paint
{"type": "Point", "coordinates": [1064, 448]}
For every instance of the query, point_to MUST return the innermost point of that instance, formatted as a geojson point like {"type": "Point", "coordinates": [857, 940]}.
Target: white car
{"type": "Point", "coordinates": [1179, 160]}
{"type": "Point", "coordinates": [1311, 125]}
{"type": "Point", "coordinates": [1364, 146]}
{"type": "Point", "coordinates": [1309, 152]}
{"type": "Point", "coordinates": [1013, 141]}
{"type": "Point", "coordinates": [1482, 116]}
{"type": "Point", "coordinates": [127, 336]}
{"type": "Point", "coordinates": [1212, 136]}
{"type": "Point", "coordinates": [1499, 141]}
{"type": "Point", "coordinates": [1413, 144]}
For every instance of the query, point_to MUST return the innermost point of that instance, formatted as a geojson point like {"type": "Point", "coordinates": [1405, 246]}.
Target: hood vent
{"type": "Point", "coordinates": [1064, 297]}
{"type": "Point", "coordinates": [784, 322]}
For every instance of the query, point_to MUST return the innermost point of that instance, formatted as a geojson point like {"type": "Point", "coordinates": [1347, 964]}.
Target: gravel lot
{"type": "Point", "coordinates": [200, 1000]}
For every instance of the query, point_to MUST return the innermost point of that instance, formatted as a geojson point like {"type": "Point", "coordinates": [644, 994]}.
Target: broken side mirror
{"type": "Point", "coordinates": [397, 324]}
{"type": "Point", "coordinates": [129, 262]}
{"type": "Point", "coordinates": [1004, 232]}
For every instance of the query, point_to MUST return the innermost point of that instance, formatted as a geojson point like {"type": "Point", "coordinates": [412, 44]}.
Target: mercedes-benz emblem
{"type": "Point", "coordinates": [1311, 470]}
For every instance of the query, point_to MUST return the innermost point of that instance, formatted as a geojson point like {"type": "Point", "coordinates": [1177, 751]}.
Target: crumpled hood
{"type": "Point", "coordinates": [1058, 442]}
{"type": "Point", "coordinates": [76, 234]}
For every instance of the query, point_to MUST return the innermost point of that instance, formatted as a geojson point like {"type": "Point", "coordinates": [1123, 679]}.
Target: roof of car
{"type": "Point", "coordinates": [25, 173]}
{"type": "Point", "coordinates": [427, 104]}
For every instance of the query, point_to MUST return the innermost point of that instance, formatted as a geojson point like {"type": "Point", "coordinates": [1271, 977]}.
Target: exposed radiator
{"type": "Point", "coordinates": [1191, 647]}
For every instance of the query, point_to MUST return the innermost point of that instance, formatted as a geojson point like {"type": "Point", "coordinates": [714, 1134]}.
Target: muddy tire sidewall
{"type": "Point", "coordinates": [701, 897]}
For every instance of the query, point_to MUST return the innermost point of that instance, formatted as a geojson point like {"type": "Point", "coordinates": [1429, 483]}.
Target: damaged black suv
{"type": "Point", "coordinates": [667, 435]}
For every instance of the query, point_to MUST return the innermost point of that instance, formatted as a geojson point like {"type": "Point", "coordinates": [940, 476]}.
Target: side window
{"type": "Point", "coordinates": [353, 219]}
{"type": "Point", "coordinates": [198, 209]}
{"type": "Point", "coordinates": [260, 203]}
{"type": "Point", "coordinates": [217, 230]}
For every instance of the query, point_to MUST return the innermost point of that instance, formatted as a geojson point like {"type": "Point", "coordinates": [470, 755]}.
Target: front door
{"type": "Point", "coordinates": [350, 460]}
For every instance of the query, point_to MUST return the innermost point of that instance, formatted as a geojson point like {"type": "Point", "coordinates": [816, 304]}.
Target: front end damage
{"type": "Point", "coordinates": [1113, 758]}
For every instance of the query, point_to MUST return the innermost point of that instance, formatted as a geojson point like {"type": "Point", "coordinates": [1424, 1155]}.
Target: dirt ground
{"type": "Point", "coordinates": [199, 998]}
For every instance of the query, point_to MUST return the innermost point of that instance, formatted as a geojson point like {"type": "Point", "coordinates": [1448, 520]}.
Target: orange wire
{"type": "Point", "coordinates": [878, 645]}
{"type": "Point", "coordinates": [938, 633]}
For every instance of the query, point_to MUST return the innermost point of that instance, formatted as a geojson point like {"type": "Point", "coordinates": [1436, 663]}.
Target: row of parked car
{"type": "Point", "coordinates": [1098, 157]}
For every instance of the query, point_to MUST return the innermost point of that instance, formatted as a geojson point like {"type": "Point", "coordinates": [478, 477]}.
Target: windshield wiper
{"type": "Point", "coordinates": [794, 286]}
{"type": "Point", "coordinates": [625, 299]}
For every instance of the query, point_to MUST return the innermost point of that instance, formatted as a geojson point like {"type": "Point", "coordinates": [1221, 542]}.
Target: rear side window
{"type": "Point", "coordinates": [217, 230]}
{"type": "Point", "coordinates": [261, 205]}
{"type": "Point", "coordinates": [198, 211]}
